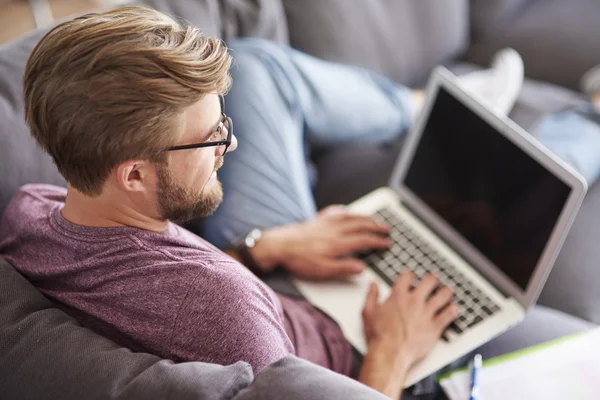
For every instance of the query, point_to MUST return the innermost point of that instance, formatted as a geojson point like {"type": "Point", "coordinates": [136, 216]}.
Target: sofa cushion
{"type": "Point", "coordinates": [254, 18]}
{"type": "Point", "coordinates": [554, 37]}
{"type": "Point", "coordinates": [403, 39]}
{"type": "Point", "coordinates": [21, 160]}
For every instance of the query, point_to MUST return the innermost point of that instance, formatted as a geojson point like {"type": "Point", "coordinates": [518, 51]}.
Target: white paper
{"type": "Point", "coordinates": [567, 370]}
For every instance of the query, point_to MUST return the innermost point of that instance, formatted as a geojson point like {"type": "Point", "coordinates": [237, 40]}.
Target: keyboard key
{"type": "Point", "coordinates": [475, 321]}
{"type": "Point", "coordinates": [487, 310]}
{"type": "Point", "coordinates": [455, 328]}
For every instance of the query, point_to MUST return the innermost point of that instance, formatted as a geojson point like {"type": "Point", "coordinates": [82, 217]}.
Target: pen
{"type": "Point", "coordinates": [475, 371]}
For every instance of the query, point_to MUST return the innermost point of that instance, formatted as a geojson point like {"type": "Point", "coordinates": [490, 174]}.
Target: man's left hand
{"type": "Point", "coordinates": [324, 247]}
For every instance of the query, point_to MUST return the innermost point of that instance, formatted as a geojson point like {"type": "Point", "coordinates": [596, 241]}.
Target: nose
{"type": "Point", "coordinates": [233, 144]}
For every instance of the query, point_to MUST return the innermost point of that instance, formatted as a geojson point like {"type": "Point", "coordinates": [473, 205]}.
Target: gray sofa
{"type": "Point", "coordinates": [44, 354]}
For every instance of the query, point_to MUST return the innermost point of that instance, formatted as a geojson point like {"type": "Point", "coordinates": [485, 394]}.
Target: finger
{"type": "Point", "coordinates": [341, 267]}
{"type": "Point", "coordinates": [354, 243]}
{"type": "Point", "coordinates": [440, 299]}
{"type": "Point", "coordinates": [363, 224]}
{"type": "Point", "coordinates": [427, 284]}
{"type": "Point", "coordinates": [371, 300]}
{"type": "Point", "coordinates": [446, 316]}
{"type": "Point", "coordinates": [336, 209]}
{"type": "Point", "coordinates": [403, 282]}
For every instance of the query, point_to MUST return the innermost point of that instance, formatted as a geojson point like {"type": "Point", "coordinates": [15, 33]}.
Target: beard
{"type": "Point", "coordinates": [181, 204]}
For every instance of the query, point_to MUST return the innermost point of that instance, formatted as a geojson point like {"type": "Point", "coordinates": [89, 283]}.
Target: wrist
{"type": "Point", "coordinates": [390, 353]}
{"type": "Point", "coordinates": [266, 251]}
{"type": "Point", "coordinates": [385, 368]}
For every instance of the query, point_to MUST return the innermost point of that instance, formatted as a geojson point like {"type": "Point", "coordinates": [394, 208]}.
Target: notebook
{"type": "Point", "coordinates": [566, 368]}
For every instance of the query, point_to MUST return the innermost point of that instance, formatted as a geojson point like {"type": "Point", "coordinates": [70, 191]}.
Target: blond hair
{"type": "Point", "coordinates": [106, 88]}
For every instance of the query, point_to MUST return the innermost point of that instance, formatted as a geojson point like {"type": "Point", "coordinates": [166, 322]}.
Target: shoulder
{"type": "Point", "coordinates": [227, 316]}
{"type": "Point", "coordinates": [32, 202]}
{"type": "Point", "coordinates": [37, 195]}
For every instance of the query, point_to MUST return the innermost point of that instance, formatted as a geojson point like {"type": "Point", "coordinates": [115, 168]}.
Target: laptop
{"type": "Point", "coordinates": [473, 199]}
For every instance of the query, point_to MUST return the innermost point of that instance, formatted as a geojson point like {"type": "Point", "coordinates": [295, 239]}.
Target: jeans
{"type": "Point", "coordinates": [284, 102]}
{"type": "Point", "coordinates": [281, 102]}
{"type": "Point", "coordinates": [574, 135]}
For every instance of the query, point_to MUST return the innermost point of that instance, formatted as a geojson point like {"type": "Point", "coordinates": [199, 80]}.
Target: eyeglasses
{"type": "Point", "coordinates": [225, 124]}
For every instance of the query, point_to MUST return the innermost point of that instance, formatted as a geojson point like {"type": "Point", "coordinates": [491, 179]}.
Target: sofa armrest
{"type": "Point", "coordinates": [555, 37]}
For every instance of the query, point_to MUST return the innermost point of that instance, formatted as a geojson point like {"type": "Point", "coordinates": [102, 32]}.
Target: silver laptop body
{"type": "Point", "coordinates": [475, 200]}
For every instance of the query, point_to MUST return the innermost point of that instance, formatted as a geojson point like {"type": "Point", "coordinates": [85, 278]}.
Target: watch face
{"type": "Point", "coordinates": [249, 241]}
{"type": "Point", "coordinates": [252, 237]}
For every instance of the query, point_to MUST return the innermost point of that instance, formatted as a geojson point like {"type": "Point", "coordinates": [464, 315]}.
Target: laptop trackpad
{"type": "Point", "coordinates": [343, 300]}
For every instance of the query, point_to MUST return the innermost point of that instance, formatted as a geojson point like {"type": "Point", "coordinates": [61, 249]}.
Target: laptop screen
{"type": "Point", "coordinates": [485, 187]}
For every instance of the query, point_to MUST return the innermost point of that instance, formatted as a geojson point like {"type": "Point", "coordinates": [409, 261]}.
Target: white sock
{"type": "Point", "coordinates": [590, 82]}
{"type": "Point", "coordinates": [499, 86]}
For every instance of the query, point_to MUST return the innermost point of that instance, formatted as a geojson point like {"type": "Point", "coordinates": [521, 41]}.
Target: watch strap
{"type": "Point", "coordinates": [242, 248]}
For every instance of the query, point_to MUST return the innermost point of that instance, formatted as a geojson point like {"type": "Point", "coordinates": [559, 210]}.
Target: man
{"type": "Point", "coordinates": [127, 103]}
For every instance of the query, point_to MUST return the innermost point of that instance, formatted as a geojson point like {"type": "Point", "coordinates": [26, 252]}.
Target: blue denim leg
{"type": "Point", "coordinates": [574, 135]}
{"type": "Point", "coordinates": [280, 100]}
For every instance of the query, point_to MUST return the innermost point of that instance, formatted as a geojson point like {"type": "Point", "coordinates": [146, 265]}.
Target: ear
{"type": "Point", "coordinates": [133, 175]}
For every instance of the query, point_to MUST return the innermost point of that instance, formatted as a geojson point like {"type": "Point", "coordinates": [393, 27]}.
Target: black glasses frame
{"type": "Point", "coordinates": [226, 142]}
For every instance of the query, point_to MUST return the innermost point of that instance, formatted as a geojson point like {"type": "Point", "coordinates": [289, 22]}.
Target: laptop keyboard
{"type": "Point", "coordinates": [410, 252]}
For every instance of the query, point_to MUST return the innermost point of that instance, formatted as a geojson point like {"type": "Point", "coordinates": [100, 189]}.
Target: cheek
{"type": "Point", "coordinates": [197, 171]}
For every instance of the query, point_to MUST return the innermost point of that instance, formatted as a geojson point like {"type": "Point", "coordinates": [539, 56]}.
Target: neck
{"type": "Point", "coordinates": [106, 211]}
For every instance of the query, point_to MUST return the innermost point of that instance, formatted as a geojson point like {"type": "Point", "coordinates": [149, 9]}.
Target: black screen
{"type": "Point", "coordinates": [484, 186]}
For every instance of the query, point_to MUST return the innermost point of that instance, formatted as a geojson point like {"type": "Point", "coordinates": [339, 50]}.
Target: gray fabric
{"type": "Point", "coordinates": [45, 354]}
{"type": "Point", "coordinates": [311, 382]}
{"type": "Point", "coordinates": [556, 38]}
{"type": "Point", "coordinates": [491, 17]}
{"type": "Point", "coordinates": [573, 283]}
{"type": "Point", "coordinates": [21, 160]}
{"type": "Point", "coordinates": [255, 18]}
{"type": "Point", "coordinates": [204, 14]}
{"type": "Point", "coordinates": [402, 39]}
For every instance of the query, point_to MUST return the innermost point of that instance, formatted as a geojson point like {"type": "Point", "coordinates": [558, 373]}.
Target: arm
{"type": "Point", "coordinates": [322, 248]}
{"type": "Point", "coordinates": [384, 369]}
{"type": "Point", "coordinates": [228, 316]}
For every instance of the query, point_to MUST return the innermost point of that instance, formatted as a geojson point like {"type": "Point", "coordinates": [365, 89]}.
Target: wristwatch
{"type": "Point", "coordinates": [243, 247]}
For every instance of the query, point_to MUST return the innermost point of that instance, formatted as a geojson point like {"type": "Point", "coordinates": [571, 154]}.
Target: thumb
{"type": "Point", "coordinates": [371, 300]}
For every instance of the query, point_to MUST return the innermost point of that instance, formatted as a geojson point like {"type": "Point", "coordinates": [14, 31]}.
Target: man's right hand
{"type": "Point", "coordinates": [403, 329]}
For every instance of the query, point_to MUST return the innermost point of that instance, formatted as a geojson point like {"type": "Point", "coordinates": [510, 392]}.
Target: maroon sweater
{"type": "Point", "coordinates": [169, 293]}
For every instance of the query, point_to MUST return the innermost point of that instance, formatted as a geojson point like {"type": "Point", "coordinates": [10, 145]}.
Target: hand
{"type": "Point", "coordinates": [411, 320]}
{"type": "Point", "coordinates": [323, 247]}
{"type": "Point", "coordinates": [403, 329]}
